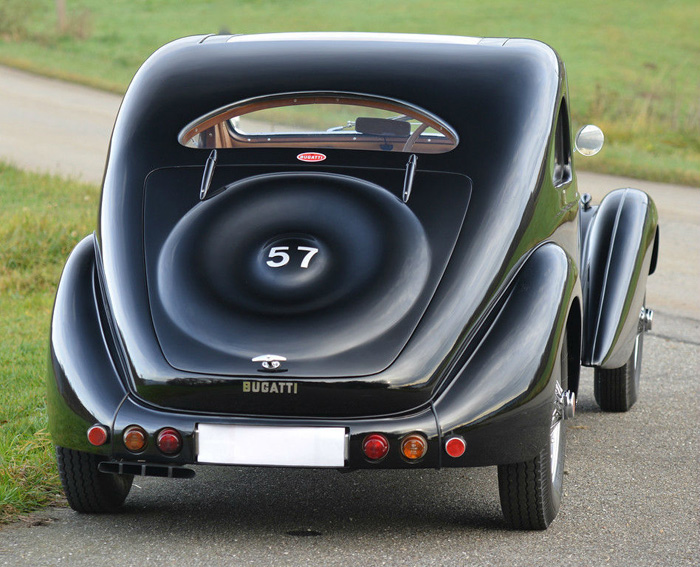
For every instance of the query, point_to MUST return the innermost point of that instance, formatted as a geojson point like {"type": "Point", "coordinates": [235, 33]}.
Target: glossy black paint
{"type": "Point", "coordinates": [378, 266]}
{"type": "Point", "coordinates": [485, 257]}
{"type": "Point", "coordinates": [506, 384]}
{"type": "Point", "coordinates": [616, 259]}
{"type": "Point", "coordinates": [84, 387]}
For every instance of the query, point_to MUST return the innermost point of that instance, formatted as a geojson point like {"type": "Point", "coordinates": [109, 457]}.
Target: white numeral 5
{"type": "Point", "coordinates": [278, 251]}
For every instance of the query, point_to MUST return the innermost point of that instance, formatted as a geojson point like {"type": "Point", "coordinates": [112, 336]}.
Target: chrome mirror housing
{"type": "Point", "coordinates": [589, 140]}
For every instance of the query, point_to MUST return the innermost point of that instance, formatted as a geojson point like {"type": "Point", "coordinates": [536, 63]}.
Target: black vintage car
{"type": "Point", "coordinates": [355, 251]}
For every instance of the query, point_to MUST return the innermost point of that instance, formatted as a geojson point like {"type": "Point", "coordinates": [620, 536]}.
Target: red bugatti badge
{"type": "Point", "coordinates": [311, 157]}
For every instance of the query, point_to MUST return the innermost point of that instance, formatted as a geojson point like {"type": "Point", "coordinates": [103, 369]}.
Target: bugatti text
{"type": "Point", "coordinates": [257, 386]}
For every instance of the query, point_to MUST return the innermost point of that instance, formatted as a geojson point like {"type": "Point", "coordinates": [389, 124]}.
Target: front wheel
{"type": "Point", "coordinates": [531, 491]}
{"type": "Point", "coordinates": [87, 489]}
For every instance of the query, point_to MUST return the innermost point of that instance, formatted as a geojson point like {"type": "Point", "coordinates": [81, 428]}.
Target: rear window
{"type": "Point", "coordinates": [322, 120]}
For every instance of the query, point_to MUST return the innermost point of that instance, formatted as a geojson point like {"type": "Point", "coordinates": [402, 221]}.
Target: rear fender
{"type": "Point", "coordinates": [84, 387]}
{"type": "Point", "coordinates": [501, 401]}
{"type": "Point", "coordinates": [619, 252]}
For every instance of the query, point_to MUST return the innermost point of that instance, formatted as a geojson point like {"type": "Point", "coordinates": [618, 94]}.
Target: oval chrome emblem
{"type": "Point", "coordinates": [270, 361]}
{"type": "Point", "coordinates": [311, 157]}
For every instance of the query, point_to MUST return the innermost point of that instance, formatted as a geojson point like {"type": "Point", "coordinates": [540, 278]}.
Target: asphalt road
{"type": "Point", "coordinates": [632, 487]}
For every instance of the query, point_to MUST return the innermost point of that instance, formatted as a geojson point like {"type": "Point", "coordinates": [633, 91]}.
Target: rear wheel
{"type": "Point", "coordinates": [531, 491]}
{"type": "Point", "coordinates": [87, 489]}
{"type": "Point", "coordinates": [617, 389]}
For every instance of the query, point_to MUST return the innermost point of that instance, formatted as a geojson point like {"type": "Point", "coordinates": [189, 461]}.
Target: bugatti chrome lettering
{"type": "Point", "coordinates": [265, 387]}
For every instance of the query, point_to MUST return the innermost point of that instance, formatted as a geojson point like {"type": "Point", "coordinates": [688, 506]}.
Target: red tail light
{"type": "Point", "coordinates": [375, 446]}
{"type": "Point", "coordinates": [169, 441]}
{"type": "Point", "coordinates": [97, 435]}
{"type": "Point", "coordinates": [455, 446]}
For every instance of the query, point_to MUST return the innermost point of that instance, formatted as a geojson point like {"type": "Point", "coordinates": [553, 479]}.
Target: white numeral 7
{"type": "Point", "coordinates": [311, 252]}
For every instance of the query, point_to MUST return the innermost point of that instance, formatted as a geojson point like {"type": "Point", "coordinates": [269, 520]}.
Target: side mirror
{"type": "Point", "coordinates": [589, 140]}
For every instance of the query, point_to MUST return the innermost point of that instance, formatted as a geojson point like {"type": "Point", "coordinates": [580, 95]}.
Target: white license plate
{"type": "Point", "coordinates": [271, 446]}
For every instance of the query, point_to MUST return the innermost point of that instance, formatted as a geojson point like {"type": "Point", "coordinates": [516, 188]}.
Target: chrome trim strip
{"type": "Point", "coordinates": [358, 36]}
{"type": "Point", "coordinates": [408, 179]}
{"type": "Point", "coordinates": [208, 175]}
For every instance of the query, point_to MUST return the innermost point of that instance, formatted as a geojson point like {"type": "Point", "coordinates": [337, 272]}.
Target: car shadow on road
{"type": "Point", "coordinates": [296, 502]}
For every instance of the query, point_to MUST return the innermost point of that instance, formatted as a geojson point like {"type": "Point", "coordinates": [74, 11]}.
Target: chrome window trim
{"type": "Point", "coordinates": [449, 130]}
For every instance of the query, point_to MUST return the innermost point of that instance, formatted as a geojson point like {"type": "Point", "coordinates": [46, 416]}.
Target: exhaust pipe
{"type": "Point", "coordinates": [144, 469]}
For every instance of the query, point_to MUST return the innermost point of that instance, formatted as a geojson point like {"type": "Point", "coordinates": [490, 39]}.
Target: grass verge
{"type": "Point", "coordinates": [633, 64]}
{"type": "Point", "coordinates": [41, 219]}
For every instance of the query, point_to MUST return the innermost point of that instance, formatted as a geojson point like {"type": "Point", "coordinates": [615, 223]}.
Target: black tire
{"type": "Point", "coordinates": [617, 389]}
{"type": "Point", "coordinates": [87, 489]}
{"type": "Point", "coordinates": [531, 491]}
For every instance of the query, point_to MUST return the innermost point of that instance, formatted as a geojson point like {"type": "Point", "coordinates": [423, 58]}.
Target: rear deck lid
{"type": "Point", "coordinates": [329, 272]}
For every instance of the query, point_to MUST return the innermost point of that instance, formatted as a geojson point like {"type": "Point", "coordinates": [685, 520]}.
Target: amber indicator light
{"type": "Point", "coordinates": [135, 439]}
{"type": "Point", "coordinates": [414, 447]}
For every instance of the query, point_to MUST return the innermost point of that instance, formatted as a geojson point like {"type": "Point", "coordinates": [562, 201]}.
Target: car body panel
{"type": "Point", "coordinates": [617, 257]}
{"type": "Point", "coordinates": [84, 386]}
{"type": "Point", "coordinates": [287, 309]}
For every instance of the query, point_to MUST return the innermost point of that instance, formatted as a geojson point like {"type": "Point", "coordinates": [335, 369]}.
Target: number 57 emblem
{"type": "Point", "coordinates": [279, 256]}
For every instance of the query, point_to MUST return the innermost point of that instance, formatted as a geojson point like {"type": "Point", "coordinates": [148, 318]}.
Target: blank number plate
{"type": "Point", "coordinates": [271, 446]}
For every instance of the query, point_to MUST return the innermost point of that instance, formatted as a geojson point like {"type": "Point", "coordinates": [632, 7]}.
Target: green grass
{"type": "Point", "coordinates": [41, 220]}
{"type": "Point", "coordinates": [633, 65]}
